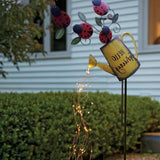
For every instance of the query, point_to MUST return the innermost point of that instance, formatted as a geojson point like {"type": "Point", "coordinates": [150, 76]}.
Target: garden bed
{"type": "Point", "coordinates": [42, 126]}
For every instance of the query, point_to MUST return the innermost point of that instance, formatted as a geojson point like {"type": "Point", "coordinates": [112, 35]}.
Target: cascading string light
{"type": "Point", "coordinates": [79, 144]}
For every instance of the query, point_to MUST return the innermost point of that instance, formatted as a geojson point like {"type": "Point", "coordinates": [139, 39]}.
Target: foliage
{"type": "Point", "coordinates": [107, 131]}
{"type": "Point", "coordinates": [19, 32]}
{"type": "Point", "coordinates": [42, 126]}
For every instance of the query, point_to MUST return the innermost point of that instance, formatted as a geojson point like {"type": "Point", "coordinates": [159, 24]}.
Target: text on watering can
{"type": "Point", "coordinates": [124, 61]}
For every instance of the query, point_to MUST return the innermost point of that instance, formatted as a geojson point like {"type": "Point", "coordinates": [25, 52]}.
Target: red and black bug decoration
{"type": "Point", "coordinates": [60, 19]}
{"type": "Point", "coordinates": [100, 7]}
{"type": "Point", "coordinates": [105, 35]}
{"type": "Point", "coordinates": [85, 29]}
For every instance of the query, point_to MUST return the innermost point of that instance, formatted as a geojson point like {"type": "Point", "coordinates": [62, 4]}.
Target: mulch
{"type": "Point", "coordinates": [135, 157]}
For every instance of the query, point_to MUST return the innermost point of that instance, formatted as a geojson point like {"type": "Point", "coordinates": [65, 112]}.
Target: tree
{"type": "Point", "coordinates": [19, 33]}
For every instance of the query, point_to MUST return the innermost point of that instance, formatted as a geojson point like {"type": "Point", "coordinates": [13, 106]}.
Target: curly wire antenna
{"type": "Point", "coordinates": [112, 10]}
{"type": "Point", "coordinates": [86, 43]}
{"type": "Point", "coordinates": [117, 29]}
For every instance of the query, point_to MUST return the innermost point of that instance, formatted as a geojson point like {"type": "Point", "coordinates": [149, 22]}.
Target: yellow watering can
{"type": "Point", "coordinates": [122, 62]}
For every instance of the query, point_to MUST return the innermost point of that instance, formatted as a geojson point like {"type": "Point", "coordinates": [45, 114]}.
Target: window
{"type": "Point", "coordinates": [149, 26]}
{"type": "Point", "coordinates": [55, 48]}
{"type": "Point", "coordinates": [154, 22]}
{"type": "Point", "coordinates": [58, 45]}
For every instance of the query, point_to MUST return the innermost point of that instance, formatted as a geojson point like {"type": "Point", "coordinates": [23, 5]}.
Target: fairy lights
{"type": "Point", "coordinates": [79, 145]}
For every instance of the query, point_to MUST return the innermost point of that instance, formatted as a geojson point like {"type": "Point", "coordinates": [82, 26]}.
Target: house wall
{"type": "Point", "coordinates": [62, 74]}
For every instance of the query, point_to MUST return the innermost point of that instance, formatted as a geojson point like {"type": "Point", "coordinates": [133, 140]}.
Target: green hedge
{"type": "Point", "coordinates": [41, 126]}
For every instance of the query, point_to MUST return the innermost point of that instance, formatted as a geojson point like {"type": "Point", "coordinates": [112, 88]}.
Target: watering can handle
{"type": "Point", "coordinates": [126, 33]}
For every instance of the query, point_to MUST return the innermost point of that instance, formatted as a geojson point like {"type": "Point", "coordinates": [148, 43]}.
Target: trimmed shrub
{"type": "Point", "coordinates": [41, 126]}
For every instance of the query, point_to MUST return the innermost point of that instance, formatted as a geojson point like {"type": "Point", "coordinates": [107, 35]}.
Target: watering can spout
{"type": "Point", "coordinates": [93, 63]}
